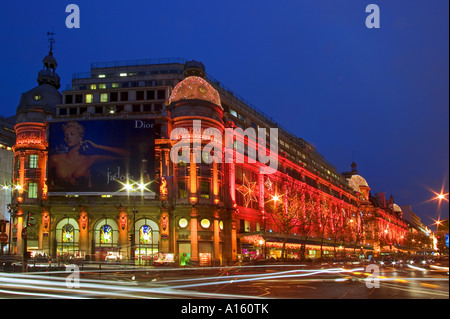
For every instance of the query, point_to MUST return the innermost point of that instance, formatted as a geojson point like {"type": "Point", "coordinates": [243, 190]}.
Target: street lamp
{"type": "Point", "coordinates": [134, 187]}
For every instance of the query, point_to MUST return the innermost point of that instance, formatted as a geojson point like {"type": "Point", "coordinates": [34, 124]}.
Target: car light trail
{"type": "Point", "coordinates": [417, 268]}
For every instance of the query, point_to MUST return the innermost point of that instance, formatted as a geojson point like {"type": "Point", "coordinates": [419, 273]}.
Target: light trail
{"type": "Point", "coordinates": [58, 284]}
{"type": "Point", "coordinates": [47, 286]}
{"type": "Point", "coordinates": [417, 268]}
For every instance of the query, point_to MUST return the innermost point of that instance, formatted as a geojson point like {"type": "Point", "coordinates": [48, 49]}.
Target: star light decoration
{"type": "Point", "coordinates": [248, 190]}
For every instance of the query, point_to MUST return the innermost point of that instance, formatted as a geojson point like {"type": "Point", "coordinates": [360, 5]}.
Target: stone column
{"type": "Point", "coordinates": [194, 237]}
{"type": "Point", "coordinates": [19, 227]}
{"type": "Point", "coordinates": [233, 237]}
{"type": "Point", "coordinates": [21, 173]}
{"type": "Point", "coordinates": [193, 178]}
{"type": "Point", "coordinates": [215, 182]}
{"type": "Point", "coordinates": [216, 261]}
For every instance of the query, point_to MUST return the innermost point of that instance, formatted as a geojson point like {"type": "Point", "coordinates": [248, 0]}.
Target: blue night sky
{"type": "Point", "coordinates": [376, 96]}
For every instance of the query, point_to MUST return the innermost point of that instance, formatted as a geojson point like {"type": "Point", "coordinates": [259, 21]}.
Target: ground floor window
{"type": "Point", "coordinates": [146, 241]}
{"type": "Point", "coordinates": [67, 236]}
{"type": "Point", "coordinates": [105, 240]}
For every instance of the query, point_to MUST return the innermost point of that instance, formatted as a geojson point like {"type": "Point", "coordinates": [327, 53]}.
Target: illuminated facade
{"type": "Point", "coordinates": [7, 138]}
{"type": "Point", "coordinates": [195, 210]}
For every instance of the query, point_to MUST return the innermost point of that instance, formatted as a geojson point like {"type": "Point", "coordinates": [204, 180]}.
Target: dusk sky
{"type": "Point", "coordinates": [376, 96]}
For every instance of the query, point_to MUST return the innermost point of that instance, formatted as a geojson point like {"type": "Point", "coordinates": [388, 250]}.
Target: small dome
{"type": "Point", "coordinates": [195, 88]}
{"type": "Point", "coordinates": [359, 180]}
{"type": "Point", "coordinates": [354, 186]}
{"type": "Point", "coordinates": [42, 98]}
{"type": "Point", "coordinates": [397, 208]}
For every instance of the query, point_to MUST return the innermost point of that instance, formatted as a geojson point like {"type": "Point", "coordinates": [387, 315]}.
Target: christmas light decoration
{"type": "Point", "coordinates": [247, 189]}
{"type": "Point", "coordinates": [195, 88]}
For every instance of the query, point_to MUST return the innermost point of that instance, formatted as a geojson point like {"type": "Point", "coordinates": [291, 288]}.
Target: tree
{"type": "Point", "coordinates": [323, 217]}
{"type": "Point", "coordinates": [307, 219]}
{"type": "Point", "coordinates": [286, 209]}
{"type": "Point", "coordinates": [337, 225]}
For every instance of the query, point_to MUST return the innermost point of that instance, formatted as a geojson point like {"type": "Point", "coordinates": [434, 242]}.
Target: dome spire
{"type": "Point", "coordinates": [51, 41]}
{"type": "Point", "coordinates": [48, 74]}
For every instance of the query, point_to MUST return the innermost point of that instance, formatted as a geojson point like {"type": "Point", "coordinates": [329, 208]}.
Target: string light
{"type": "Point", "coordinates": [195, 88]}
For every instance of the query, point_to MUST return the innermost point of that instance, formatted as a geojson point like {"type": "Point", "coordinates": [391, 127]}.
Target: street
{"type": "Point", "coordinates": [278, 281]}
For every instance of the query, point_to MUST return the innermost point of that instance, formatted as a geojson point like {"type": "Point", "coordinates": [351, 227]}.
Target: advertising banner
{"type": "Point", "coordinates": [99, 157]}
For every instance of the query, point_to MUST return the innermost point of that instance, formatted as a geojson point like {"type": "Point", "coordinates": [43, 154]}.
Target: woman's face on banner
{"type": "Point", "coordinates": [72, 136]}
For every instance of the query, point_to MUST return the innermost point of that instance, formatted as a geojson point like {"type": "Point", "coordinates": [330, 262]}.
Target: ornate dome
{"type": "Point", "coordinates": [359, 180]}
{"type": "Point", "coordinates": [195, 88]}
{"type": "Point", "coordinates": [354, 186]}
{"type": "Point", "coordinates": [356, 181]}
{"type": "Point", "coordinates": [397, 208]}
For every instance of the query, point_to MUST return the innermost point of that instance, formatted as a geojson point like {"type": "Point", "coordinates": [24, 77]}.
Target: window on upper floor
{"type": "Point", "coordinates": [114, 96]}
{"type": "Point", "coordinates": [139, 95]}
{"type": "Point", "coordinates": [124, 96]}
{"type": "Point", "coordinates": [78, 98]}
{"type": "Point", "coordinates": [204, 189]}
{"type": "Point", "coordinates": [182, 190]}
{"type": "Point", "coordinates": [161, 94]}
{"type": "Point", "coordinates": [89, 98]}
{"type": "Point", "coordinates": [32, 190]}
{"type": "Point", "coordinates": [33, 161]}
{"type": "Point", "coordinates": [69, 99]}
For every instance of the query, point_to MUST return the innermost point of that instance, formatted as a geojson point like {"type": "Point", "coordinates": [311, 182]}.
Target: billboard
{"type": "Point", "coordinates": [97, 157]}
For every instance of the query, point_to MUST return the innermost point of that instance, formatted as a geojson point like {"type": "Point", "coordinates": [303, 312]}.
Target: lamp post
{"type": "Point", "coordinates": [133, 187]}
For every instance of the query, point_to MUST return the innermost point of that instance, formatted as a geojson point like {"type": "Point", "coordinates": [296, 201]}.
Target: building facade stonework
{"type": "Point", "coordinates": [192, 211]}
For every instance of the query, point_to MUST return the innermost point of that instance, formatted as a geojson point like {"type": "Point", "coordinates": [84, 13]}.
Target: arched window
{"type": "Point", "coordinates": [67, 234]}
{"type": "Point", "coordinates": [106, 233]}
{"type": "Point", "coordinates": [146, 239]}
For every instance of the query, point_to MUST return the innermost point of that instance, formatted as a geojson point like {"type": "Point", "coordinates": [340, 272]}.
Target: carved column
{"type": "Point", "coordinates": [83, 238]}
{"type": "Point", "coordinates": [123, 239]}
{"type": "Point", "coordinates": [164, 222]}
{"type": "Point", "coordinates": [44, 238]}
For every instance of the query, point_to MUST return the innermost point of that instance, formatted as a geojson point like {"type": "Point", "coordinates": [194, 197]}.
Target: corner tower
{"type": "Point", "coordinates": [37, 106]}
{"type": "Point", "coordinates": [195, 107]}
